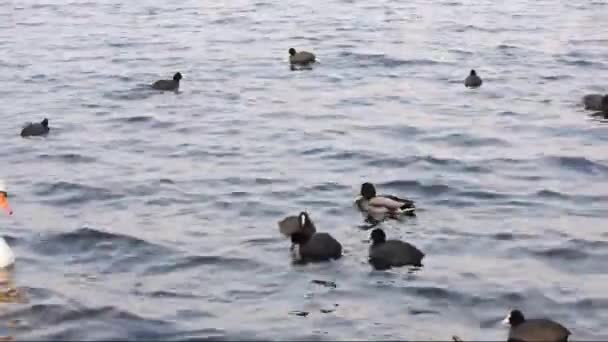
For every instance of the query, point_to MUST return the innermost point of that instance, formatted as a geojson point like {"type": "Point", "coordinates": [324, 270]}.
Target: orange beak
{"type": "Point", "coordinates": [4, 203]}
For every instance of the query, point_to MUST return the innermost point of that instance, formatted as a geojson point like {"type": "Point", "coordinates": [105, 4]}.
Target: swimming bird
{"type": "Point", "coordinates": [472, 81]}
{"type": "Point", "coordinates": [36, 129]}
{"type": "Point", "coordinates": [301, 58]}
{"type": "Point", "coordinates": [539, 329]}
{"type": "Point", "coordinates": [379, 207]}
{"type": "Point", "coordinates": [168, 85]}
{"type": "Point", "coordinates": [307, 244]}
{"type": "Point", "coordinates": [596, 102]}
{"type": "Point", "coordinates": [7, 258]}
{"type": "Point", "coordinates": [384, 254]}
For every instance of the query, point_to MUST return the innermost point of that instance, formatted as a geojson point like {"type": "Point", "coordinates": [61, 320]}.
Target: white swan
{"type": "Point", "coordinates": [7, 258]}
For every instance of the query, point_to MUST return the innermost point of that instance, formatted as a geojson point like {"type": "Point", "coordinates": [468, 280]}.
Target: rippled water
{"type": "Point", "coordinates": [153, 216]}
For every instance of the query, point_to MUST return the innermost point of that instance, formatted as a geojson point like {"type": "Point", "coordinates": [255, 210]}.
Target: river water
{"type": "Point", "coordinates": [153, 216]}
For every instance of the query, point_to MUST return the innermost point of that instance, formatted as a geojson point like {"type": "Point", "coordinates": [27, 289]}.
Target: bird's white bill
{"type": "Point", "coordinates": [507, 319]}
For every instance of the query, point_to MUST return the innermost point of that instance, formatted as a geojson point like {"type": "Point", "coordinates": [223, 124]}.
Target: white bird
{"type": "Point", "coordinates": [7, 258]}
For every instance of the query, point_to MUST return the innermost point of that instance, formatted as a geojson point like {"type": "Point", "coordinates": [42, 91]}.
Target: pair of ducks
{"type": "Point", "coordinates": [304, 58]}
{"type": "Point", "coordinates": [42, 128]}
{"type": "Point", "coordinates": [308, 245]}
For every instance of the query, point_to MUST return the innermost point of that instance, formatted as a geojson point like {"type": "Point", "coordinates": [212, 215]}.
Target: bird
{"type": "Point", "coordinates": [168, 85]}
{"type": "Point", "coordinates": [596, 102]}
{"type": "Point", "coordinates": [7, 258]}
{"type": "Point", "coordinates": [538, 329]}
{"type": "Point", "coordinates": [301, 58]}
{"type": "Point", "coordinates": [378, 207]}
{"type": "Point", "coordinates": [473, 81]}
{"type": "Point", "coordinates": [384, 254]}
{"type": "Point", "coordinates": [36, 129]}
{"type": "Point", "coordinates": [307, 244]}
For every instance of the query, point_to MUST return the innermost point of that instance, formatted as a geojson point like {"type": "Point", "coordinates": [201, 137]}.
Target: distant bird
{"type": "Point", "coordinates": [596, 102]}
{"type": "Point", "coordinates": [307, 244]}
{"type": "Point", "coordinates": [378, 207]}
{"type": "Point", "coordinates": [472, 81]}
{"type": "Point", "coordinates": [539, 329]}
{"type": "Point", "coordinates": [384, 254]}
{"type": "Point", "coordinates": [168, 85]}
{"type": "Point", "coordinates": [7, 258]}
{"type": "Point", "coordinates": [36, 129]}
{"type": "Point", "coordinates": [301, 58]}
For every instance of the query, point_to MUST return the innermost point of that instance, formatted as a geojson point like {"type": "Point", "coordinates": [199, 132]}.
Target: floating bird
{"type": "Point", "coordinates": [7, 258]}
{"type": "Point", "coordinates": [168, 85]}
{"type": "Point", "coordinates": [36, 129]}
{"type": "Point", "coordinates": [378, 207]}
{"type": "Point", "coordinates": [384, 254]}
{"type": "Point", "coordinates": [307, 244]}
{"type": "Point", "coordinates": [539, 329]}
{"type": "Point", "coordinates": [301, 58]}
{"type": "Point", "coordinates": [472, 81]}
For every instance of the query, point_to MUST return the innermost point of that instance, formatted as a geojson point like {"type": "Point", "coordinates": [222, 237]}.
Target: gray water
{"type": "Point", "coordinates": [149, 215]}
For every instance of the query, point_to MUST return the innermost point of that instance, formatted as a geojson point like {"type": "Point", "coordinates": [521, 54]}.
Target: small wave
{"type": "Point", "coordinates": [68, 158]}
{"type": "Point", "coordinates": [203, 260]}
{"type": "Point", "coordinates": [66, 193]}
{"type": "Point", "coordinates": [63, 322]}
{"type": "Point", "coordinates": [88, 245]}
{"type": "Point", "coordinates": [414, 186]}
{"type": "Point", "coordinates": [367, 60]}
{"type": "Point", "coordinates": [580, 164]}
{"type": "Point", "coordinates": [563, 253]}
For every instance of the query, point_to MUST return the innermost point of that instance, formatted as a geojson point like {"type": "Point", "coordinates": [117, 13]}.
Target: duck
{"type": "Point", "coordinates": [36, 129]}
{"type": "Point", "coordinates": [473, 81]}
{"type": "Point", "coordinates": [7, 258]}
{"type": "Point", "coordinates": [307, 244]}
{"type": "Point", "coordinates": [596, 102]}
{"type": "Point", "coordinates": [168, 85]}
{"type": "Point", "coordinates": [379, 207]}
{"type": "Point", "coordinates": [301, 58]}
{"type": "Point", "coordinates": [384, 254]}
{"type": "Point", "coordinates": [538, 329]}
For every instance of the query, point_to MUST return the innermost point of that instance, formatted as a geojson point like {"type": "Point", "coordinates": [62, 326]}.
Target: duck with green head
{"type": "Point", "coordinates": [379, 207]}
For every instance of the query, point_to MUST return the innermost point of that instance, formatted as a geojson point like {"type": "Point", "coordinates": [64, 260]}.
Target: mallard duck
{"type": "Point", "coordinates": [472, 81]}
{"type": "Point", "coordinates": [596, 102]}
{"type": "Point", "coordinates": [384, 254]}
{"type": "Point", "coordinates": [7, 258]}
{"type": "Point", "coordinates": [379, 207]}
{"type": "Point", "coordinates": [301, 58]}
{"type": "Point", "coordinates": [307, 244]}
{"type": "Point", "coordinates": [36, 129]}
{"type": "Point", "coordinates": [539, 329]}
{"type": "Point", "coordinates": [168, 85]}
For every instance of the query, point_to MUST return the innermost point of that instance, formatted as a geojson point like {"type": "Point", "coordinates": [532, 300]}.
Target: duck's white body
{"type": "Point", "coordinates": [7, 258]}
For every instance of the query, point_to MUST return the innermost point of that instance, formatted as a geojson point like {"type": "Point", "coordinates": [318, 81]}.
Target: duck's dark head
{"type": "Point", "coordinates": [514, 318]}
{"type": "Point", "coordinates": [377, 236]}
{"type": "Point", "coordinates": [306, 225]}
{"type": "Point", "coordinates": [605, 103]}
{"type": "Point", "coordinates": [473, 73]}
{"type": "Point", "coordinates": [292, 51]}
{"type": "Point", "coordinates": [177, 76]}
{"type": "Point", "coordinates": [368, 191]}
{"type": "Point", "coordinates": [45, 122]}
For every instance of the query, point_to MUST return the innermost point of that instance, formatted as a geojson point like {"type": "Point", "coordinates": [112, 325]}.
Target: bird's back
{"type": "Point", "coordinates": [472, 81]}
{"type": "Point", "coordinates": [302, 57]}
{"type": "Point", "coordinates": [593, 102]}
{"type": "Point", "coordinates": [321, 246]}
{"type": "Point", "coordinates": [396, 253]}
{"type": "Point", "coordinates": [33, 129]}
{"type": "Point", "coordinates": [539, 330]}
{"type": "Point", "coordinates": [165, 85]}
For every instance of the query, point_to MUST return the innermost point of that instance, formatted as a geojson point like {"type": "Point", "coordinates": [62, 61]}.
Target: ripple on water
{"type": "Point", "coordinates": [63, 194]}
